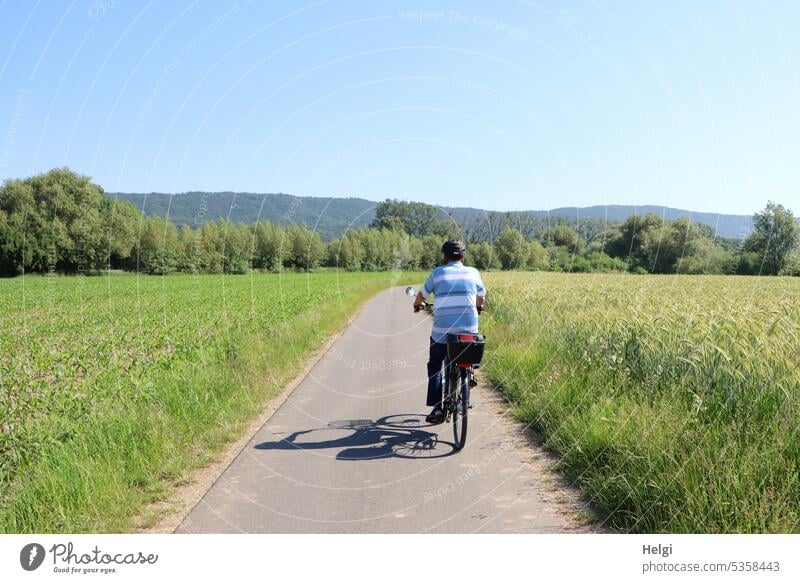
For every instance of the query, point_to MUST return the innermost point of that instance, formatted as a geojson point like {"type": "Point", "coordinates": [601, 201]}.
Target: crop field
{"type": "Point", "coordinates": [112, 387]}
{"type": "Point", "coordinates": [671, 400]}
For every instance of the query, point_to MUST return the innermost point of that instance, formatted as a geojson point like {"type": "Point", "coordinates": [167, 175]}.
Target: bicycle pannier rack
{"type": "Point", "coordinates": [465, 348]}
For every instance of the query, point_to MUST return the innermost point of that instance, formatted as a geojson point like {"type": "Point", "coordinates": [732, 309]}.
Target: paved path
{"type": "Point", "coordinates": [350, 451]}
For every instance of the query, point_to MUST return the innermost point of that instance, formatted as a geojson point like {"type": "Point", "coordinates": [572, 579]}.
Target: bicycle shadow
{"type": "Point", "coordinates": [401, 436]}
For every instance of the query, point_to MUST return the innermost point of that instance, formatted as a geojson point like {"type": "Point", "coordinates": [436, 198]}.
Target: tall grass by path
{"type": "Point", "coordinates": [113, 388]}
{"type": "Point", "coordinates": [672, 401]}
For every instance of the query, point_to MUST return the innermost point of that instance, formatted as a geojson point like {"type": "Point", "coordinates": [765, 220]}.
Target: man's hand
{"type": "Point", "coordinates": [479, 302]}
{"type": "Point", "coordinates": [419, 302]}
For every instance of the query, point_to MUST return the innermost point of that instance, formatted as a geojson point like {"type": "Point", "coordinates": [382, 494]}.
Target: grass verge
{"type": "Point", "coordinates": [130, 449]}
{"type": "Point", "coordinates": [672, 402]}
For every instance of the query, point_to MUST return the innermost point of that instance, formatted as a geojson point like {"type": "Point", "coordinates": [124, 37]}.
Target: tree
{"type": "Point", "coordinates": [792, 266]}
{"type": "Point", "coordinates": [390, 222]}
{"type": "Point", "coordinates": [416, 250]}
{"type": "Point", "coordinates": [237, 245]}
{"type": "Point", "coordinates": [591, 229]}
{"type": "Point", "coordinates": [666, 247]}
{"type": "Point", "coordinates": [266, 246]}
{"type": "Point", "coordinates": [706, 258]}
{"type": "Point", "coordinates": [346, 253]}
{"type": "Point", "coordinates": [157, 247]}
{"type": "Point", "coordinates": [564, 236]}
{"type": "Point", "coordinates": [305, 247]}
{"type": "Point", "coordinates": [187, 250]}
{"type": "Point", "coordinates": [401, 255]}
{"type": "Point", "coordinates": [209, 249]}
{"type": "Point", "coordinates": [61, 221]}
{"type": "Point", "coordinates": [482, 256]}
{"type": "Point", "coordinates": [374, 257]}
{"type": "Point", "coordinates": [12, 234]}
{"type": "Point", "coordinates": [775, 236]}
{"type": "Point", "coordinates": [53, 221]}
{"type": "Point", "coordinates": [512, 250]}
{"type": "Point", "coordinates": [431, 251]}
{"type": "Point", "coordinates": [122, 227]}
{"type": "Point", "coordinates": [537, 256]}
{"type": "Point", "coordinates": [602, 262]}
{"type": "Point", "coordinates": [417, 218]}
{"type": "Point", "coordinates": [629, 242]}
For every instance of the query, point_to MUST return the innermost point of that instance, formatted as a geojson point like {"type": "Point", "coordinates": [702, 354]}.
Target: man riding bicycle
{"type": "Point", "coordinates": [459, 295]}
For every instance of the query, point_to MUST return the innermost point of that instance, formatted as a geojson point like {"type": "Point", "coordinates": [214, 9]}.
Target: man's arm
{"type": "Point", "coordinates": [424, 292]}
{"type": "Point", "coordinates": [480, 298]}
{"type": "Point", "coordinates": [419, 301]}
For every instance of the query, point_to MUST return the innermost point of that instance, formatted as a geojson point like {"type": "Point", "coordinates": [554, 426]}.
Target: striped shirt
{"type": "Point", "coordinates": [455, 287]}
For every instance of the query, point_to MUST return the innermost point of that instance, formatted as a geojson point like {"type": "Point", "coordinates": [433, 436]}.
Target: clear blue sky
{"type": "Point", "coordinates": [507, 105]}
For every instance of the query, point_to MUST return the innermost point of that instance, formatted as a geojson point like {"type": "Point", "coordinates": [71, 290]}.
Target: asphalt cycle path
{"type": "Point", "coordinates": [349, 451]}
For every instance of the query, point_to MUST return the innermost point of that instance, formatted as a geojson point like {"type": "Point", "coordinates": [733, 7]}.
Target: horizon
{"type": "Point", "coordinates": [555, 208]}
{"type": "Point", "coordinates": [508, 108]}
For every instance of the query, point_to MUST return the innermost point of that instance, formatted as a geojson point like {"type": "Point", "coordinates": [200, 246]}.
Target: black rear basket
{"type": "Point", "coordinates": [465, 348]}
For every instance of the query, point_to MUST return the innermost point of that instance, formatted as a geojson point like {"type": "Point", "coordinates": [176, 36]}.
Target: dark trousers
{"type": "Point", "coordinates": [436, 356]}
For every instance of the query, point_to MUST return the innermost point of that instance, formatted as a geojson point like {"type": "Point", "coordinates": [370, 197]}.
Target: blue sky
{"type": "Point", "coordinates": [509, 105]}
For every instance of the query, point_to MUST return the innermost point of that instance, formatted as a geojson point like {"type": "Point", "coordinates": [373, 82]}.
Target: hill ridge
{"type": "Point", "coordinates": [334, 215]}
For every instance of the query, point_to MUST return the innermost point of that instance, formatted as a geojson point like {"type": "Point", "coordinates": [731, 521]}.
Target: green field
{"type": "Point", "coordinates": [112, 388]}
{"type": "Point", "coordinates": [671, 400]}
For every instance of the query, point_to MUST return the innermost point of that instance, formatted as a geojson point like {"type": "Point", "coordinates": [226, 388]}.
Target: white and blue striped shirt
{"type": "Point", "coordinates": [455, 287]}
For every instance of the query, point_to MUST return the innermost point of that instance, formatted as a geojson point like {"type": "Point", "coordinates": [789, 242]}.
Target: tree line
{"type": "Point", "coordinates": [61, 222]}
{"type": "Point", "coordinates": [640, 244]}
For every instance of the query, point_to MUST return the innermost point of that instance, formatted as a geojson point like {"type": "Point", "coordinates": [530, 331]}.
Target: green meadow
{"type": "Point", "coordinates": [670, 400]}
{"type": "Point", "coordinates": [113, 388]}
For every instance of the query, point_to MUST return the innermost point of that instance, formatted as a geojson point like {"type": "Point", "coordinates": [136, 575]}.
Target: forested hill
{"type": "Point", "coordinates": [329, 216]}
{"type": "Point", "coordinates": [726, 226]}
{"type": "Point", "coordinates": [333, 216]}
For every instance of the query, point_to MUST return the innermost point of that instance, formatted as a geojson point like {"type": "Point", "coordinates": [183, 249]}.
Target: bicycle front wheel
{"type": "Point", "coordinates": [460, 407]}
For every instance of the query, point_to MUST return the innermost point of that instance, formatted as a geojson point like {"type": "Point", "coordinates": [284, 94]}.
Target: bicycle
{"type": "Point", "coordinates": [464, 354]}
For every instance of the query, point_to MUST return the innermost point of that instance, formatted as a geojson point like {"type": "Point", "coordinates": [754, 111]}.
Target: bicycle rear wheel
{"type": "Point", "coordinates": [460, 393]}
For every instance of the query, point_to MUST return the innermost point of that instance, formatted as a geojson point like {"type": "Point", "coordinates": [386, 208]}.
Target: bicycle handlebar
{"type": "Point", "coordinates": [426, 306]}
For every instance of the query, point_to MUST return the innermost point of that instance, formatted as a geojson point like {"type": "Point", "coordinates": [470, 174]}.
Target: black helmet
{"type": "Point", "coordinates": [454, 249]}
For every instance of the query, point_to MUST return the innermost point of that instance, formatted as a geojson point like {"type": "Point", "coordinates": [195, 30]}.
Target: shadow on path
{"type": "Point", "coordinates": [402, 436]}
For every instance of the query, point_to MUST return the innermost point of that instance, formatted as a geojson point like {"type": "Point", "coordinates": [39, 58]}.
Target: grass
{"type": "Point", "coordinates": [112, 389]}
{"type": "Point", "coordinates": [672, 401]}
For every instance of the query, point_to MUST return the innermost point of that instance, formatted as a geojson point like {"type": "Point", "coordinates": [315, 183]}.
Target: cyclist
{"type": "Point", "coordinates": [459, 295]}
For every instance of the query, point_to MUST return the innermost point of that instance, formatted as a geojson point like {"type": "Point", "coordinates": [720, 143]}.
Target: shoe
{"type": "Point", "coordinates": [436, 416]}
